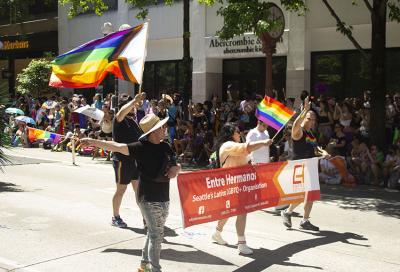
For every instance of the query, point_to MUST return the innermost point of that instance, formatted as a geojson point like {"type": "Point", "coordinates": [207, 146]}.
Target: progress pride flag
{"type": "Point", "coordinates": [211, 195]}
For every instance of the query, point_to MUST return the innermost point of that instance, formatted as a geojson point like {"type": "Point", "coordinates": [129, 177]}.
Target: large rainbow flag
{"type": "Point", "coordinates": [121, 53]}
{"type": "Point", "coordinates": [273, 113]}
{"type": "Point", "coordinates": [38, 134]}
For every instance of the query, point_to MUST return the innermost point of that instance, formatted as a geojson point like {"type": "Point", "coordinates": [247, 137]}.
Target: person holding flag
{"type": "Point", "coordinates": [305, 146]}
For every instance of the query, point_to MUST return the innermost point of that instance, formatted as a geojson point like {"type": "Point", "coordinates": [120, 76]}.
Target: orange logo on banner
{"type": "Point", "coordinates": [298, 177]}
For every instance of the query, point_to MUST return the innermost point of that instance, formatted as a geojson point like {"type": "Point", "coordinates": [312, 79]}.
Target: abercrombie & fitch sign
{"type": "Point", "coordinates": [241, 45]}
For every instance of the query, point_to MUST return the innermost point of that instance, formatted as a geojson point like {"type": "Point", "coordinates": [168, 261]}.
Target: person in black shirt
{"type": "Point", "coordinates": [124, 130]}
{"type": "Point", "coordinates": [156, 163]}
{"type": "Point", "coordinates": [305, 146]}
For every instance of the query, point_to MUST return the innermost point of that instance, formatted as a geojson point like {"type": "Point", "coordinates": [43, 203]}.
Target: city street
{"type": "Point", "coordinates": [56, 217]}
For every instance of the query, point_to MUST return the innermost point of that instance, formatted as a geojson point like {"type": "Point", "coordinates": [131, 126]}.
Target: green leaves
{"type": "Point", "coordinates": [34, 79]}
{"type": "Point", "coordinates": [394, 10]}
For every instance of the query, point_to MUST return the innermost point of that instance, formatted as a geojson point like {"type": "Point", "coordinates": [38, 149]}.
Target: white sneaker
{"type": "Point", "coordinates": [244, 249]}
{"type": "Point", "coordinates": [218, 238]}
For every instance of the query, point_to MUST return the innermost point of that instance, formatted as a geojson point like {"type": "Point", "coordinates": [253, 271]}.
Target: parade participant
{"type": "Point", "coordinates": [124, 130]}
{"type": "Point", "coordinates": [258, 133]}
{"type": "Point", "coordinates": [304, 146]}
{"type": "Point", "coordinates": [230, 153]}
{"type": "Point", "coordinates": [157, 165]}
{"type": "Point", "coordinates": [261, 155]}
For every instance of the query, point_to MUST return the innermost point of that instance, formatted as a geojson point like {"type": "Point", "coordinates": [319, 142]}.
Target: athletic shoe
{"type": "Point", "coordinates": [144, 268]}
{"type": "Point", "coordinates": [218, 238]}
{"type": "Point", "coordinates": [287, 219]}
{"type": "Point", "coordinates": [118, 222]}
{"type": "Point", "coordinates": [244, 249]}
{"type": "Point", "coordinates": [308, 226]}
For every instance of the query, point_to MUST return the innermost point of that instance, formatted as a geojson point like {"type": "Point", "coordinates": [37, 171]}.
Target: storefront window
{"type": "Point", "coordinates": [246, 77]}
{"type": "Point", "coordinates": [329, 78]}
{"type": "Point", "coordinates": [22, 11]}
{"type": "Point", "coordinates": [346, 74]}
{"type": "Point", "coordinates": [162, 77]}
{"type": "Point", "coordinates": [392, 70]}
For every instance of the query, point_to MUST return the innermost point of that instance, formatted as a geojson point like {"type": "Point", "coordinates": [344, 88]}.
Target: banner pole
{"type": "Point", "coordinates": [73, 150]}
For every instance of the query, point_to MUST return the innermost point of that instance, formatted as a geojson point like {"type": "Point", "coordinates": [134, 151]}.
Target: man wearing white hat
{"type": "Point", "coordinates": [157, 165]}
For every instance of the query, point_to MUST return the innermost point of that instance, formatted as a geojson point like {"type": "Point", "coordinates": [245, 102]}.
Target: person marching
{"type": "Point", "coordinates": [258, 133]}
{"type": "Point", "coordinates": [230, 153]}
{"type": "Point", "coordinates": [124, 130]}
{"type": "Point", "coordinates": [305, 146]}
{"type": "Point", "coordinates": [156, 164]}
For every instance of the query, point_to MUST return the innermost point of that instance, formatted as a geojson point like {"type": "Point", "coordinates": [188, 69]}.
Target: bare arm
{"type": "Point", "coordinates": [109, 145]}
{"type": "Point", "coordinates": [297, 132]}
{"type": "Point", "coordinates": [258, 144]}
{"type": "Point", "coordinates": [123, 112]}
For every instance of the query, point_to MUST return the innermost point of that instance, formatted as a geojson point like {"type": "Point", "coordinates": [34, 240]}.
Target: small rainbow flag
{"type": "Point", "coordinates": [273, 113]}
{"type": "Point", "coordinates": [38, 134]}
{"type": "Point", "coordinates": [121, 53]}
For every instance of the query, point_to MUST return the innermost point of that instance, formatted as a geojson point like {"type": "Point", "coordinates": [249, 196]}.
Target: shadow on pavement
{"type": "Point", "coordinates": [9, 187]}
{"type": "Point", "coordinates": [168, 232]}
{"type": "Point", "coordinates": [264, 258]}
{"type": "Point", "coordinates": [193, 256]}
{"type": "Point", "coordinates": [363, 198]}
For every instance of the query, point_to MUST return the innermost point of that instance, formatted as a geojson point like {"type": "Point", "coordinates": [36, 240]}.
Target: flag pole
{"type": "Point", "coordinates": [278, 132]}
{"type": "Point", "coordinates": [144, 57]}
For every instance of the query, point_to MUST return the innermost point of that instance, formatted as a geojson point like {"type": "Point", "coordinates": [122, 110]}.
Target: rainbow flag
{"type": "Point", "coordinates": [121, 53]}
{"type": "Point", "coordinates": [273, 113]}
{"type": "Point", "coordinates": [38, 134]}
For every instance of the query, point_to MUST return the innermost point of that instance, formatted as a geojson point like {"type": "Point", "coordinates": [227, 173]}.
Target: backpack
{"type": "Point", "coordinates": [214, 162]}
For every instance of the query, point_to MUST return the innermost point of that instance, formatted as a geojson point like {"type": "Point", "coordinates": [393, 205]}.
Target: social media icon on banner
{"type": "Point", "coordinates": [201, 209]}
{"type": "Point", "coordinates": [227, 204]}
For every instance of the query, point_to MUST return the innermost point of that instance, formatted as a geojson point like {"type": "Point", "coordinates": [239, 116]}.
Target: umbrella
{"type": "Point", "coordinates": [91, 112]}
{"type": "Point", "coordinates": [49, 104]}
{"type": "Point", "coordinates": [14, 111]}
{"type": "Point", "coordinates": [25, 119]}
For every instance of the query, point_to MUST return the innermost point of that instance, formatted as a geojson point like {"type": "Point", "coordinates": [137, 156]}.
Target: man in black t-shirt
{"type": "Point", "coordinates": [305, 146]}
{"type": "Point", "coordinates": [157, 165]}
{"type": "Point", "coordinates": [125, 130]}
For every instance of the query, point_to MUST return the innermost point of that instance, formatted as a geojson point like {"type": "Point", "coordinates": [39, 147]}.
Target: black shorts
{"type": "Point", "coordinates": [125, 171]}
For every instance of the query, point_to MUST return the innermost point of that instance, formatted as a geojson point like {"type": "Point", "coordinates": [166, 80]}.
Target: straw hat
{"type": "Point", "coordinates": [150, 123]}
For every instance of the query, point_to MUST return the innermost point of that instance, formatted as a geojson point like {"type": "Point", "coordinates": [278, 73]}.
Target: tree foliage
{"type": "Point", "coordinates": [99, 6]}
{"type": "Point", "coordinates": [34, 79]}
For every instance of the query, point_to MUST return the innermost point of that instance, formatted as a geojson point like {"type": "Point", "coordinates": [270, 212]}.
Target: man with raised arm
{"type": "Point", "coordinates": [305, 146]}
{"type": "Point", "coordinates": [124, 130]}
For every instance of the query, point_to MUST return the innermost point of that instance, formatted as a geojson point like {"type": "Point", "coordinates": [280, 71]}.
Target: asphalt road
{"type": "Point", "coordinates": [56, 217]}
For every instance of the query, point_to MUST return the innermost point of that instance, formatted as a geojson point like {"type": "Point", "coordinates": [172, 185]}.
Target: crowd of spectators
{"type": "Point", "coordinates": [343, 129]}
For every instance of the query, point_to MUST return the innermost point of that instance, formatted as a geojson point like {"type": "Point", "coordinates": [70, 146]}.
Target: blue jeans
{"type": "Point", "coordinates": [155, 214]}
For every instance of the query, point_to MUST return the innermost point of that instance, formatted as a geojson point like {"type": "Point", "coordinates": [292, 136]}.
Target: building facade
{"type": "Point", "coordinates": [312, 55]}
{"type": "Point", "coordinates": [32, 35]}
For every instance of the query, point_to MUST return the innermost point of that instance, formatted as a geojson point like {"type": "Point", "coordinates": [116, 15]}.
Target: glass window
{"type": "Point", "coordinates": [247, 76]}
{"type": "Point", "coordinates": [162, 77]}
{"type": "Point", "coordinates": [166, 76]}
{"type": "Point", "coordinates": [328, 77]}
{"type": "Point", "coordinates": [21, 11]}
{"type": "Point", "coordinates": [346, 74]}
{"type": "Point", "coordinates": [392, 70]}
